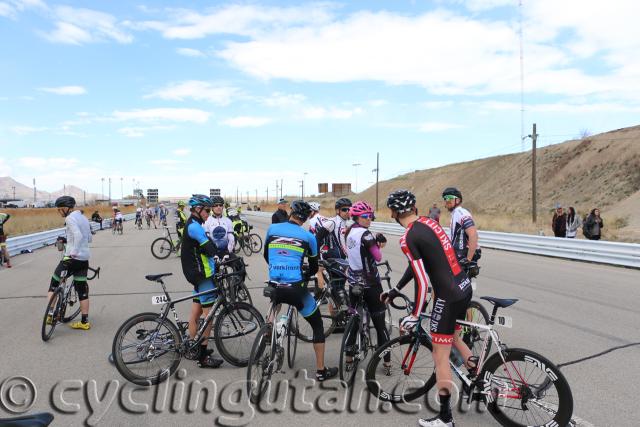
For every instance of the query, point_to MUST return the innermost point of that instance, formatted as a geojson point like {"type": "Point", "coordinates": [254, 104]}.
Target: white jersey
{"type": "Point", "coordinates": [119, 216]}
{"type": "Point", "coordinates": [78, 232]}
{"type": "Point", "coordinates": [139, 211]}
{"type": "Point", "coordinates": [319, 221]}
{"type": "Point", "coordinates": [461, 219]}
{"type": "Point", "coordinates": [220, 231]}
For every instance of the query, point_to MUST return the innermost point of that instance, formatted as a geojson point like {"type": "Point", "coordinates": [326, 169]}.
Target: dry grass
{"type": "Point", "coordinates": [25, 221]}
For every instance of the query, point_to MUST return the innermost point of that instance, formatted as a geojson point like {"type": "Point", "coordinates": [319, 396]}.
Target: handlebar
{"type": "Point", "coordinates": [96, 273]}
{"type": "Point", "coordinates": [408, 305]}
{"type": "Point", "coordinates": [386, 264]}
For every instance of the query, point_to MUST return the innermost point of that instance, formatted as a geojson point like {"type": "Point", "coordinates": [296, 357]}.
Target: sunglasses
{"type": "Point", "coordinates": [218, 205]}
{"type": "Point", "coordinates": [449, 198]}
{"type": "Point", "coordinates": [207, 210]}
{"type": "Point", "coordinates": [368, 216]}
{"type": "Point", "coordinates": [345, 209]}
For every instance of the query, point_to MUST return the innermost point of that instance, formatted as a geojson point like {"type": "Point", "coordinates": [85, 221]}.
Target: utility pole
{"type": "Point", "coordinates": [281, 185]}
{"type": "Point", "coordinates": [267, 194]}
{"type": "Point", "coordinates": [237, 193]}
{"type": "Point", "coordinates": [276, 191]}
{"type": "Point", "coordinates": [355, 165]}
{"type": "Point", "coordinates": [34, 191]}
{"type": "Point", "coordinates": [377, 176]}
{"type": "Point", "coordinates": [109, 190]}
{"type": "Point", "coordinates": [121, 189]}
{"type": "Point", "coordinates": [102, 193]}
{"type": "Point", "coordinates": [534, 139]}
{"type": "Point", "coordinates": [14, 192]}
{"type": "Point", "coordinates": [84, 197]}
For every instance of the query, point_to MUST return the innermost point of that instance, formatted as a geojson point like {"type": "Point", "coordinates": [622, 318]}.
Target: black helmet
{"type": "Point", "coordinates": [300, 209]}
{"type": "Point", "coordinates": [452, 191]}
{"type": "Point", "coordinates": [217, 200]}
{"type": "Point", "coordinates": [401, 201]}
{"type": "Point", "coordinates": [343, 203]}
{"type": "Point", "coordinates": [65, 202]}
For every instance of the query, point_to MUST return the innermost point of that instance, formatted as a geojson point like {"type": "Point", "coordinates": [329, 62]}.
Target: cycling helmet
{"type": "Point", "coordinates": [401, 201]}
{"type": "Point", "coordinates": [181, 203]}
{"type": "Point", "coordinates": [232, 212]}
{"type": "Point", "coordinates": [343, 203]}
{"type": "Point", "coordinates": [217, 200]}
{"type": "Point", "coordinates": [452, 191]}
{"type": "Point", "coordinates": [359, 208]}
{"type": "Point", "coordinates": [65, 202]}
{"type": "Point", "coordinates": [315, 206]}
{"type": "Point", "coordinates": [199, 200]}
{"type": "Point", "coordinates": [300, 209]}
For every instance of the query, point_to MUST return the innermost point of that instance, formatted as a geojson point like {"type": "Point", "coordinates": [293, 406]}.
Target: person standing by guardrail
{"type": "Point", "coordinates": [4, 217]}
{"type": "Point", "coordinates": [573, 223]}
{"type": "Point", "coordinates": [559, 222]}
{"type": "Point", "coordinates": [593, 225]}
{"type": "Point", "coordinates": [434, 212]}
{"type": "Point", "coordinates": [281, 215]}
{"type": "Point", "coordinates": [464, 234]}
{"type": "Point", "coordinates": [97, 218]}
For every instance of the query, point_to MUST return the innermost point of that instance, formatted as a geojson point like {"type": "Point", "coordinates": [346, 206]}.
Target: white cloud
{"type": "Point", "coordinates": [47, 162]}
{"type": "Point", "coordinates": [330, 113]}
{"type": "Point", "coordinates": [65, 90]}
{"type": "Point", "coordinates": [437, 105]}
{"type": "Point", "coordinates": [194, 53]}
{"type": "Point", "coordinates": [5, 168]}
{"type": "Point", "coordinates": [556, 107]}
{"type": "Point", "coordinates": [11, 8]}
{"type": "Point", "coordinates": [437, 126]}
{"type": "Point", "coordinates": [246, 121]}
{"type": "Point", "coordinates": [140, 131]}
{"type": "Point", "coordinates": [80, 26]}
{"type": "Point", "coordinates": [182, 152]}
{"type": "Point", "coordinates": [197, 90]}
{"type": "Point", "coordinates": [165, 162]}
{"type": "Point", "coordinates": [26, 130]}
{"type": "Point", "coordinates": [279, 99]}
{"type": "Point", "coordinates": [158, 114]}
{"type": "Point", "coordinates": [378, 102]}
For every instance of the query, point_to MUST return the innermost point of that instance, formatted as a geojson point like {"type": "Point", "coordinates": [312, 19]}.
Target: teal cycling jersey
{"type": "Point", "coordinates": [286, 246]}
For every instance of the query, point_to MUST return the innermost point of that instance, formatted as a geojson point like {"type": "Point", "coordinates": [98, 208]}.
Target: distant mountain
{"type": "Point", "coordinates": [23, 192]}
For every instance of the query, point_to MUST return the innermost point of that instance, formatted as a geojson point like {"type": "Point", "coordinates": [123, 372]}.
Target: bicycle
{"type": "Point", "coordinates": [235, 288]}
{"type": "Point", "coordinates": [148, 347]}
{"type": "Point", "coordinates": [139, 222]}
{"type": "Point", "coordinates": [116, 227]}
{"type": "Point", "coordinates": [264, 363]}
{"type": "Point", "coordinates": [162, 247]}
{"type": "Point", "coordinates": [249, 243]}
{"type": "Point", "coordinates": [64, 299]}
{"type": "Point", "coordinates": [500, 384]}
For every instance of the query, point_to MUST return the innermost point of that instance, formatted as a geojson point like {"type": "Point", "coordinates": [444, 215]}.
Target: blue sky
{"type": "Point", "coordinates": [185, 96]}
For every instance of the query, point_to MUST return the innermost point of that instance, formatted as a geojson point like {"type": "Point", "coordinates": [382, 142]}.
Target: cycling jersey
{"type": "Point", "coordinates": [286, 245]}
{"type": "Point", "coordinates": [334, 240]}
{"type": "Point", "coordinates": [362, 253]}
{"type": "Point", "coordinates": [220, 231]}
{"type": "Point", "coordinates": [78, 231]}
{"type": "Point", "coordinates": [119, 217]}
{"type": "Point", "coordinates": [461, 220]}
{"type": "Point", "coordinates": [431, 254]}
{"type": "Point", "coordinates": [197, 253]}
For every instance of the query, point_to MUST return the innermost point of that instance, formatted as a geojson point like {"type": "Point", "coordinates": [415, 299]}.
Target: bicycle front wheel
{"type": "Point", "coordinates": [350, 351]}
{"type": "Point", "coordinates": [235, 331]}
{"type": "Point", "coordinates": [259, 369]}
{"type": "Point", "coordinates": [146, 349]}
{"type": "Point", "coordinates": [246, 245]}
{"type": "Point", "coordinates": [161, 248]}
{"type": "Point", "coordinates": [526, 389]}
{"type": "Point", "coordinates": [70, 311]}
{"type": "Point", "coordinates": [51, 316]}
{"type": "Point", "coordinates": [411, 374]}
{"type": "Point", "coordinates": [255, 242]}
{"type": "Point", "coordinates": [292, 338]}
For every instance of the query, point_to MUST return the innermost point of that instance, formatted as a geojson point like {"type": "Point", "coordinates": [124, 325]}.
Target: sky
{"type": "Point", "coordinates": [184, 96]}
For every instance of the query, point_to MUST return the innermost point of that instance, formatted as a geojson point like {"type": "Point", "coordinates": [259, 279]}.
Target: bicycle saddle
{"type": "Point", "coordinates": [36, 420]}
{"type": "Point", "coordinates": [499, 302]}
{"type": "Point", "coordinates": [157, 277]}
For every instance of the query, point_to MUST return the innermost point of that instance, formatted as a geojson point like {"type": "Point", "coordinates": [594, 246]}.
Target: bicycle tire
{"type": "Point", "coordinates": [351, 332]}
{"type": "Point", "coordinates": [237, 247]}
{"type": "Point", "coordinates": [473, 337]}
{"type": "Point", "coordinates": [490, 381]}
{"type": "Point", "coordinates": [246, 245]}
{"type": "Point", "coordinates": [258, 368]}
{"type": "Point", "coordinates": [53, 308]}
{"type": "Point", "coordinates": [329, 320]}
{"type": "Point", "coordinates": [422, 381]}
{"type": "Point", "coordinates": [159, 248]}
{"type": "Point", "coordinates": [292, 338]}
{"type": "Point", "coordinates": [233, 331]}
{"type": "Point", "coordinates": [74, 314]}
{"type": "Point", "coordinates": [172, 348]}
{"type": "Point", "coordinates": [256, 243]}
{"type": "Point", "coordinates": [243, 294]}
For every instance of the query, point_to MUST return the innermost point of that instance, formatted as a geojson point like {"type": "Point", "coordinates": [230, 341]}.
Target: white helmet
{"type": "Point", "coordinates": [315, 206]}
{"type": "Point", "coordinates": [232, 212]}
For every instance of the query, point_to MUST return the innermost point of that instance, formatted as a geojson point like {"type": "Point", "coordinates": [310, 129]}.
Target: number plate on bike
{"type": "Point", "coordinates": [474, 284]}
{"type": "Point", "coordinates": [159, 299]}
{"type": "Point", "coordinates": [504, 321]}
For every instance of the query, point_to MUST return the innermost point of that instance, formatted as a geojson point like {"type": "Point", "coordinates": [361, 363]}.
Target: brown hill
{"type": "Point", "coordinates": [23, 192]}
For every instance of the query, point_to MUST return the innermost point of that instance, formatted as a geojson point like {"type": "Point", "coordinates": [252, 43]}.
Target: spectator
{"type": "Point", "coordinates": [593, 225]}
{"type": "Point", "coordinates": [97, 218]}
{"type": "Point", "coordinates": [434, 212]}
{"type": "Point", "coordinates": [559, 222]}
{"type": "Point", "coordinates": [573, 223]}
{"type": "Point", "coordinates": [281, 215]}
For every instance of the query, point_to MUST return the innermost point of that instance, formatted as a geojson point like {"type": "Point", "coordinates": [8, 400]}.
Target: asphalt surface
{"type": "Point", "coordinates": [567, 311]}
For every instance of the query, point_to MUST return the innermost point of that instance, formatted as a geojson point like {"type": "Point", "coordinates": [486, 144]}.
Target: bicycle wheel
{"type": "Point", "coordinates": [146, 349]}
{"type": "Point", "coordinates": [259, 369]}
{"type": "Point", "coordinates": [292, 338]}
{"type": "Point", "coordinates": [526, 389]}
{"type": "Point", "coordinates": [246, 245]}
{"type": "Point", "coordinates": [242, 293]}
{"type": "Point", "coordinates": [350, 351]}
{"type": "Point", "coordinates": [236, 245]}
{"type": "Point", "coordinates": [412, 372]}
{"type": "Point", "coordinates": [328, 312]}
{"type": "Point", "coordinates": [235, 331]}
{"type": "Point", "coordinates": [70, 311]}
{"type": "Point", "coordinates": [255, 242]}
{"type": "Point", "coordinates": [474, 337]}
{"type": "Point", "coordinates": [53, 310]}
{"type": "Point", "coordinates": [161, 248]}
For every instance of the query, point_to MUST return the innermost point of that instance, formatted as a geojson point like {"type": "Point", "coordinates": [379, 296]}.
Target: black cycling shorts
{"type": "Point", "coordinates": [443, 319]}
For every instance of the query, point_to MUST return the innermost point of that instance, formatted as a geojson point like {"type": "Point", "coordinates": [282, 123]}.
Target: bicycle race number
{"type": "Point", "coordinates": [159, 299]}
{"type": "Point", "coordinates": [504, 321]}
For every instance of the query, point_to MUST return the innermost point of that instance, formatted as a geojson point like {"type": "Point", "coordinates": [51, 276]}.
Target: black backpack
{"type": "Point", "coordinates": [586, 229]}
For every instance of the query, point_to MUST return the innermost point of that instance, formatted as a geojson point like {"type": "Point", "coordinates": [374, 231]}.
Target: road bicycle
{"type": "Point", "coordinates": [249, 243]}
{"type": "Point", "coordinates": [519, 386]}
{"type": "Point", "coordinates": [267, 354]}
{"type": "Point", "coordinates": [64, 305]}
{"type": "Point", "coordinates": [139, 222]}
{"type": "Point", "coordinates": [162, 247]}
{"type": "Point", "coordinates": [116, 227]}
{"type": "Point", "coordinates": [235, 287]}
{"type": "Point", "coordinates": [148, 347]}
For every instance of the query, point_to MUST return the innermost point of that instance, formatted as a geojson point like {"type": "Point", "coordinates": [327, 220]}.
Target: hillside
{"type": "Point", "coordinates": [598, 171]}
{"type": "Point", "coordinates": [23, 192]}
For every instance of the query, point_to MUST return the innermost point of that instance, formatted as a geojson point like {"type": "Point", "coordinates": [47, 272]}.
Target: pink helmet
{"type": "Point", "coordinates": [360, 208]}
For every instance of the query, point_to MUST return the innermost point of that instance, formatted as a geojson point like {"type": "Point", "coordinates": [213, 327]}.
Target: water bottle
{"type": "Point", "coordinates": [456, 357]}
{"type": "Point", "coordinates": [281, 324]}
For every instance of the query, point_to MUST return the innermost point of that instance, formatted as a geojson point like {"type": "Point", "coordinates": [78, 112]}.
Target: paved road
{"type": "Point", "coordinates": [567, 311]}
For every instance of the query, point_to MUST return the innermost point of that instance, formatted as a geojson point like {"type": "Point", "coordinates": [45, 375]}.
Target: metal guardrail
{"type": "Point", "coordinates": [614, 253]}
{"type": "Point", "coordinates": [31, 242]}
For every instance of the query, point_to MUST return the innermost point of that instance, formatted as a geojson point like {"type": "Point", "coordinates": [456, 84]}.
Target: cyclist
{"type": "Point", "coordinates": [320, 227]}
{"type": "Point", "coordinates": [118, 218]}
{"type": "Point", "coordinates": [286, 246]}
{"type": "Point", "coordinates": [4, 217]}
{"type": "Point", "coordinates": [464, 234]}
{"type": "Point", "coordinates": [239, 226]}
{"type": "Point", "coordinates": [219, 227]}
{"type": "Point", "coordinates": [162, 212]}
{"type": "Point", "coordinates": [198, 267]}
{"type": "Point", "coordinates": [431, 254]}
{"type": "Point", "coordinates": [363, 252]}
{"type": "Point", "coordinates": [139, 217]}
{"type": "Point", "coordinates": [182, 218]}
{"type": "Point", "coordinates": [76, 257]}
{"type": "Point", "coordinates": [281, 214]}
{"type": "Point", "coordinates": [334, 243]}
